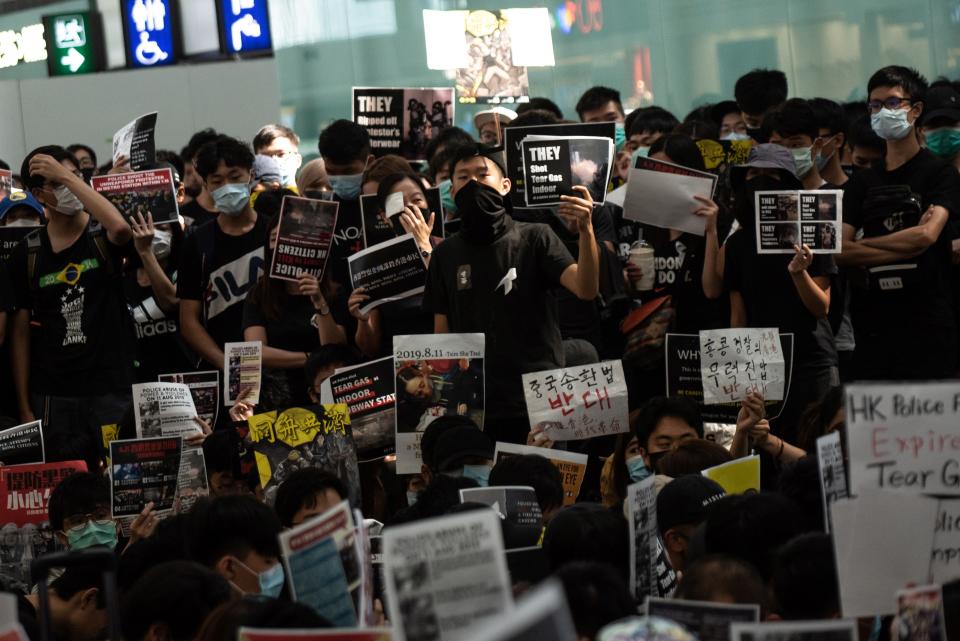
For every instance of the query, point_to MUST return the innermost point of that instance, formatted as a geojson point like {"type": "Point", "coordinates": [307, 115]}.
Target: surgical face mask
{"type": "Point", "coordinates": [803, 159]}
{"type": "Point", "coordinates": [91, 534]}
{"type": "Point", "coordinates": [411, 497]}
{"type": "Point", "coordinates": [162, 240]}
{"type": "Point", "coordinates": [232, 198]}
{"type": "Point", "coordinates": [67, 203]}
{"type": "Point", "coordinates": [637, 469]}
{"type": "Point", "coordinates": [270, 580]}
{"type": "Point", "coordinates": [347, 187]}
{"type": "Point", "coordinates": [735, 135]}
{"type": "Point", "coordinates": [944, 143]}
{"type": "Point", "coordinates": [446, 196]}
{"type": "Point", "coordinates": [619, 135]}
{"type": "Point", "coordinates": [891, 124]}
{"type": "Point", "coordinates": [479, 473]}
{"type": "Point", "coordinates": [823, 160]}
{"type": "Point", "coordinates": [288, 169]}
{"type": "Point", "coordinates": [639, 152]}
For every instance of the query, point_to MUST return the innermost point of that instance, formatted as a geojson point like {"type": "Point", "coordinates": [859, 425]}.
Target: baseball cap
{"type": "Point", "coordinates": [458, 443]}
{"type": "Point", "coordinates": [686, 501]}
{"type": "Point", "coordinates": [768, 156]}
{"type": "Point", "coordinates": [941, 102]}
{"type": "Point", "coordinates": [20, 199]}
{"type": "Point", "coordinates": [502, 114]}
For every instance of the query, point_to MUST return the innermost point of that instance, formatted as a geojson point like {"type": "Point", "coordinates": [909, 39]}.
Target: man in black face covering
{"type": "Point", "coordinates": [497, 276]}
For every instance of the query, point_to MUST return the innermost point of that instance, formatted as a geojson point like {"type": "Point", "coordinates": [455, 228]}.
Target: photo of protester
{"type": "Point", "coordinates": [490, 75]}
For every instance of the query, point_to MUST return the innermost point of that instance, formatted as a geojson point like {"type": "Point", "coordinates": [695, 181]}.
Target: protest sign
{"type": "Point", "coordinates": [402, 121]}
{"type": "Point", "coordinates": [205, 390]}
{"type": "Point", "coordinates": [904, 437]}
{"type": "Point", "coordinates": [920, 614]}
{"type": "Point", "coordinates": [135, 141]}
{"type": "Point", "coordinates": [945, 556]}
{"type": "Point", "coordinates": [25, 531]}
{"type": "Point", "coordinates": [390, 271]}
{"type": "Point", "coordinates": [578, 402]}
{"type": "Point", "coordinates": [150, 192]}
{"type": "Point", "coordinates": [513, 148]}
{"type": "Point", "coordinates": [552, 166]}
{"type": "Point", "coordinates": [833, 475]}
{"type": "Point", "coordinates": [706, 620]}
{"type": "Point", "coordinates": [368, 390]}
{"type": "Point", "coordinates": [720, 154]}
{"type": "Point", "coordinates": [301, 437]}
{"type": "Point", "coordinates": [571, 465]}
{"type": "Point", "coordinates": [736, 476]}
{"type": "Point", "coordinates": [315, 634]}
{"type": "Point", "coordinates": [10, 237]}
{"type": "Point", "coordinates": [514, 503]}
{"type": "Point", "coordinates": [444, 575]}
{"type": "Point", "coordinates": [436, 375]}
{"type": "Point", "coordinates": [6, 183]}
{"type": "Point", "coordinates": [376, 228]}
{"type": "Point", "coordinates": [164, 409]}
{"type": "Point", "coordinates": [650, 571]}
{"type": "Point", "coordinates": [191, 480]}
{"type": "Point", "coordinates": [740, 360]}
{"type": "Point", "coordinates": [241, 366]}
{"type": "Point", "coordinates": [142, 471]}
{"type": "Point", "coordinates": [322, 566]}
{"type": "Point", "coordinates": [541, 614]}
{"type": "Point", "coordinates": [685, 378]}
{"type": "Point", "coordinates": [22, 444]}
{"type": "Point", "coordinates": [795, 631]}
{"type": "Point", "coordinates": [662, 194]}
{"type": "Point", "coordinates": [304, 237]}
{"type": "Point", "coordinates": [491, 75]}
{"type": "Point", "coordinates": [789, 218]}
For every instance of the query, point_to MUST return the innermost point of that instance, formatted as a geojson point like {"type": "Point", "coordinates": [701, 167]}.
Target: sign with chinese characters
{"type": "Point", "coordinates": [244, 26]}
{"type": "Point", "coordinates": [578, 402]}
{"type": "Point", "coordinates": [25, 45]}
{"type": "Point", "coordinates": [150, 32]}
{"type": "Point", "coordinates": [74, 43]}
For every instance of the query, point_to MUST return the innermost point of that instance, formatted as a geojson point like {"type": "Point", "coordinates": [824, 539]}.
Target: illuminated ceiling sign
{"type": "Point", "coordinates": [244, 26]}
{"type": "Point", "coordinates": [150, 32]}
{"type": "Point", "coordinates": [74, 43]}
{"type": "Point", "coordinates": [26, 45]}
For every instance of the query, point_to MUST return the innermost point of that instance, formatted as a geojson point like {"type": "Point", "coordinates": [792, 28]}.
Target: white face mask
{"type": "Point", "coordinates": [22, 222]}
{"type": "Point", "coordinates": [67, 202]}
{"type": "Point", "coordinates": [733, 135]}
{"type": "Point", "coordinates": [161, 243]}
{"type": "Point", "coordinates": [891, 124]}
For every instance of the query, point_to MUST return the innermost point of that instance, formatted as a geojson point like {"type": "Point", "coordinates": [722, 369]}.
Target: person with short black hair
{"type": "Point", "coordinates": [729, 119]}
{"type": "Point", "coordinates": [692, 457]}
{"type": "Point", "coordinates": [200, 208]}
{"type": "Point", "coordinates": [600, 104]}
{"type": "Point", "coordinates": [832, 125]}
{"type": "Point", "coordinates": [597, 595]}
{"type": "Point", "coordinates": [224, 623]}
{"type": "Point", "coordinates": [542, 104]}
{"type": "Point", "coordinates": [722, 579]}
{"type": "Point", "coordinates": [804, 583]}
{"type": "Point", "coordinates": [588, 532]}
{"type": "Point", "coordinates": [79, 512]}
{"type": "Point", "coordinates": [307, 493]}
{"type": "Point", "coordinates": [282, 144]}
{"type": "Point", "coordinates": [85, 157]}
{"type": "Point", "coordinates": [78, 607]}
{"type": "Point", "coordinates": [757, 93]}
{"type": "Point", "coordinates": [534, 471]}
{"type": "Point", "coordinates": [662, 423]}
{"type": "Point", "coordinates": [448, 137]}
{"type": "Point", "coordinates": [794, 126]}
{"type": "Point", "coordinates": [647, 126]}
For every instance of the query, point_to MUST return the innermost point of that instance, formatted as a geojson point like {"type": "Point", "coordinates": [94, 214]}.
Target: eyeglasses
{"type": "Point", "coordinates": [283, 155]}
{"type": "Point", "coordinates": [889, 103]}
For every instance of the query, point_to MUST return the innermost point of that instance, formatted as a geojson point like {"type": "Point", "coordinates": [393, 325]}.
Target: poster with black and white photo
{"type": "Point", "coordinates": [552, 166]}
{"type": "Point", "coordinates": [22, 444]}
{"type": "Point", "coordinates": [513, 138]}
{"type": "Point", "coordinates": [541, 614]}
{"type": "Point", "coordinates": [242, 364]}
{"type": "Point", "coordinates": [11, 236]}
{"type": "Point", "coordinates": [142, 471]}
{"type": "Point", "coordinates": [402, 121]}
{"type": "Point", "coordinates": [515, 504]}
{"type": "Point", "coordinates": [390, 271]}
{"type": "Point", "coordinates": [707, 621]}
{"type": "Point", "coordinates": [837, 630]}
{"type": "Point", "coordinates": [304, 237]}
{"type": "Point", "coordinates": [204, 388]}
{"type": "Point", "coordinates": [6, 183]}
{"type": "Point", "coordinates": [436, 375]}
{"type": "Point", "coordinates": [136, 142]}
{"type": "Point", "coordinates": [191, 480]}
{"type": "Point", "coordinates": [445, 575]}
{"type": "Point", "coordinates": [164, 409]}
{"type": "Point", "coordinates": [789, 218]}
{"type": "Point", "coordinates": [141, 193]}
{"type": "Point", "coordinates": [833, 474]}
{"type": "Point", "coordinates": [647, 578]}
{"type": "Point", "coordinates": [369, 392]}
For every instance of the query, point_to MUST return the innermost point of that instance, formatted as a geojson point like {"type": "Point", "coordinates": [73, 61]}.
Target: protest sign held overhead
{"type": "Point", "coordinates": [300, 437]}
{"type": "Point", "coordinates": [144, 470]}
{"type": "Point", "coordinates": [736, 476]}
{"type": "Point", "coordinates": [552, 166]}
{"type": "Point", "coordinates": [737, 361]}
{"type": "Point", "coordinates": [571, 465]}
{"type": "Point", "coordinates": [22, 444]}
{"type": "Point", "coordinates": [402, 121]}
{"type": "Point", "coordinates": [242, 364]}
{"type": "Point", "coordinates": [436, 375]}
{"type": "Point", "coordinates": [662, 194]}
{"type": "Point", "coordinates": [164, 409]}
{"type": "Point", "coordinates": [578, 402]}
{"type": "Point", "coordinates": [445, 575]}
{"type": "Point", "coordinates": [833, 474]}
{"type": "Point", "coordinates": [204, 388]}
{"type": "Point", "coordinates": [707, 621]}
{"type": "Point", "coordinates": [135, 141]}
{"type": "Point", "coordinates": [390, 271]}
{"type": "Point", "coordinates": [789, 218]}
{"type": "Point", "coordinates": [368, 390]}
{"type": "Point", "coordinates": [140, 193]}
{"type": "Point", "coordinates": [304, 237]}
{"type": "Point", "coordinates": [515, 504]}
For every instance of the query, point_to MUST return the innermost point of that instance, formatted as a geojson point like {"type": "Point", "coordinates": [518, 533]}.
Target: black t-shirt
{"type": "Point", "coordinates": [81, 334]}
{"type": "Point", "coordinates": [771, 298]}
{"type": "Point", "coordinates": [679, 265]}
{"type": "Point", "coordinates": [401, 318]}
{"type": "Point", "coordinates": [197, 214]}
{"type": "Point", "coordinates": [219, 269]}
{"type": "Point", "coordinates": [27, 616]}
{"type": "Point", "coordinates": [521, 327]}
{"type": "Point", "coordinates": [160, 350]}
{"type": "Point", "coordinates": [924, 303]}
{"type": "Point", "coordinates": [347, 239]}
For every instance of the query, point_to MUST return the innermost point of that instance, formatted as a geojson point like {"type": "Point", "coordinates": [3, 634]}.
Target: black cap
{"type": "Point", "coordinates": [686, 500]}
{"type": "Point", "coordinates": [459, 442]}
{"type": "Point", "coordinates": [941, 102]}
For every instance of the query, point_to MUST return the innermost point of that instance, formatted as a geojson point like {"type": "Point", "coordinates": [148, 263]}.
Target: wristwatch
{"type": "Point", "coordinates": [425, 253]}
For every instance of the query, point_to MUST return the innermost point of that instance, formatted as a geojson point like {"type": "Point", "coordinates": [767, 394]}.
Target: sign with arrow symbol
{"type": "Point", "coordinates": [74, 43]}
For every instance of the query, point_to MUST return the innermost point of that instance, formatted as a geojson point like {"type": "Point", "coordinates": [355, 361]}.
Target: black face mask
{"type": "Point", "coordinates": [483, 213]}
{"type": "Point", "coordinates": [655, 458]}
{"type": "Point", "coordinates": [744, 211]}
{"type": "Point", "coordinates": [88, 174]}
{"type": "Point", "coordinates": [757, 134]}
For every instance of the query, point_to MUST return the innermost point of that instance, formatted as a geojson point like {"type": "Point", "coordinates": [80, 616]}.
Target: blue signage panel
{"type": "Point", "coordinates": [151, 32]}
{"type": "Point", "coordinates": [244, 26]}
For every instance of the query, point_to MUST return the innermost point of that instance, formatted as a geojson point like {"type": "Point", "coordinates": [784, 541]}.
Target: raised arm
{"type": "Point", "coordinates": [583, 278]}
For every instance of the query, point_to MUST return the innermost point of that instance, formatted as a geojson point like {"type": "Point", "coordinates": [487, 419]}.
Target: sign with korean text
{"type": "Point", "coordinates": [737, 361]}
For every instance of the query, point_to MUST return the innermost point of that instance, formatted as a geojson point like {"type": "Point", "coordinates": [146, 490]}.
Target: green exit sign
{"type": "Point", "coordinates": [74, 43]}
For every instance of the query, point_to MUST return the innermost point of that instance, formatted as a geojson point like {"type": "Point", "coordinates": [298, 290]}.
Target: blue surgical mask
{"type": "Point", "coordinates": [803, 160]}
{"type": "Point", "coordinates": [271, 581]}
{"type": "Point", "coordinates": [93, 533]}
{"type": "Point", "coordinates": [446, 196]}
{"type": "Point", "coordinates": [232, 198]}
{"type": "Point", "coordinates": [619, 135]}
{"type": "Point", "coordinates": [891, 124]}
{"type": "Point", "coordinates": [479, 473]}
{"type": "Point", "coordinates": [637, 469]}
{"type": "Point", "coordinates": [640, 152]}
{"type": "Point", "coordinates": [347, 186]}
{"type": "Point", "coordinates": [735, 135]}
